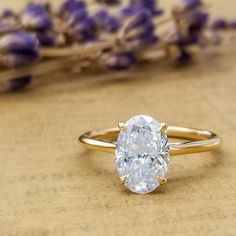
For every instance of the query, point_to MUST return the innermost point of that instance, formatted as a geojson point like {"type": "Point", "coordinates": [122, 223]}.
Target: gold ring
{"type": "Point", "coordinates": [142, 149]}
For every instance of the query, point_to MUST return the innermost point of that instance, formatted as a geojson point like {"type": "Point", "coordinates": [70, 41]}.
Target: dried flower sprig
{"type": "Point", "coordinates": [115, 41]}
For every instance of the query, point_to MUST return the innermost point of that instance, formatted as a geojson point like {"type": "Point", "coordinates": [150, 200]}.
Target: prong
{"type": "Point", "coordinates": [163, 127]}
{"type": "Point", "coordinates": [122, 180]}
{"type": "Point", "coordinates": [161, 180]}
{"type": "Point", "coordinates": [121, 126]}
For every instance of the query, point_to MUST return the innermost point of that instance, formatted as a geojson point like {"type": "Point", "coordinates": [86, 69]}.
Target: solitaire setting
{"type": "Point", "coordinates": [142, 149]}
{"type": "Point", "coordinates": [142, 154]}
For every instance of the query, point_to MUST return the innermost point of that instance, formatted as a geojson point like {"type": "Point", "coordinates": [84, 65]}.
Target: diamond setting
{"type": "Point", "coordinates": [142, 154]}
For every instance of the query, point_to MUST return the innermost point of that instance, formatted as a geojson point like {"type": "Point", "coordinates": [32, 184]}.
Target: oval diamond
{"type": "Point", "coordinates": [142, 154]}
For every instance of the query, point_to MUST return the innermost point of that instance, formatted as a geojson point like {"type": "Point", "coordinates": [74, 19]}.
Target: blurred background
{"type": "Point", "coordinates": [52, 186]}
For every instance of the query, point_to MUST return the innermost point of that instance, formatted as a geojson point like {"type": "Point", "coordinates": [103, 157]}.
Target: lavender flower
{"type": "Point", "coordinates": [183, 56]}
{"type": "Point", "coordinates": [138, 30]}
{"type": "Point", "coordinates": [19, 83]}
{"type": "Point", "coordinates": [198, 19]}
{"type": "Point", "coordinates": [46, 39]}
{"type": "Point", "coordinates": [197, 22]}
{"type": "Point", "coordinates": [118, 61]}
{"type": "Point", "coordinates": [19, 48]}
{"type": "Point", "coordinates": [5, 13]}
{"type": "Point", "coordinates": [106, 22]}
{"type": "Point", "coordinates": [83, 30]}
{"type": "Point", "coordinates": [190, 21]}
{"type": "Point", "coordinates": [70, 6]}
{"type": "Point", "coordinates": [187, 33]}
{"type": "Point", "coordinates": [149, 5]}
{"type": "Point", "coordinates": [189, 4]}
{"type": "Point", "coordinates": [219, 24]}
{"type": "Point", "coordinates": [109, 2]}
{"type": "Point", "coordinates": [35, 16]}
{"type": "Point", "coordinates": [8, 21]}
{"type": "Point", "coordinates": [81, 26]}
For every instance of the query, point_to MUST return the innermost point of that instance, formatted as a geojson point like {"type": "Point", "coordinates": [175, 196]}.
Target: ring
{"type": "Point", "coordinates": [142, 149]}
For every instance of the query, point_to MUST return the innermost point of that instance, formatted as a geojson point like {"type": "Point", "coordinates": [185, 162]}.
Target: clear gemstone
{"type": "Point", "coordinates": [142, 154]}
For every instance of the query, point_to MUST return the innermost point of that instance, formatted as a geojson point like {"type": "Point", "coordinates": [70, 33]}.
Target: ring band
{"type": "Point", "coordinates": [145, 131]}
{"type": "Point", "coordinates": [201, 140]}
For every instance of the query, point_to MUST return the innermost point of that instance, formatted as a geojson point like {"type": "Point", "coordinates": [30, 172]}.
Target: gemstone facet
{"type": "Point", "coordinates": [142, 154]}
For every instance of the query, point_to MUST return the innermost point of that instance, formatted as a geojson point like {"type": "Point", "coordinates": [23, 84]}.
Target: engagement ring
{"type": "Point", "coordinates": [142, 149]}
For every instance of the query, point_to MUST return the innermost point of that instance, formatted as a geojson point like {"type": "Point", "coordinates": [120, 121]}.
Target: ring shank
{"type": "Point", "coordinates": [196, 140]}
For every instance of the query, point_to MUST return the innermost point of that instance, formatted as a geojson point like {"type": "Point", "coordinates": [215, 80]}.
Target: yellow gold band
{"type": "Point", "coordinates": [196, 140]}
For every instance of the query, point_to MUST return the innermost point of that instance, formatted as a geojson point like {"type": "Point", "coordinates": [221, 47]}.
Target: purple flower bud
{"type": "Point", "coordinates": [118, 61]}
{"type": "Point", "coordinates": [19, 48]}
{"type": "Point", "coordinates": [46, 39]}
{"type": "Point", "coordinates": [219, 24]}
{"type": "Point", "coordinates": [138, 28]}
{"type": "Point", "coordinates": [146, 30]}
{"type": "Point", "coordinates": [136, 17]}
{"type": "Point", "coordinates": [71, 6]}
{"type": "Point", "coordinates": [190, 31]}
{"type": "Point", "coordinates": [18, 41]}
{"type": "Point", "coordinates": [8, 21]}
{"type": "Point", "coordinates": [84, 31]}
{"type": "Point", "coordinates": [150, 5]}
{"type": "Point", "coordinates": [109, 2]}
{"type": "Point", "coordinates": [197, 21]}
{"type": "Point", "coordinates": [19, 83]}
{"type": "Point", "coordinates": [106, 22]}
{"type": "Point", "coordinates": [190, 4]}
{"type": "Point", "coordinates": [183, 57]}
{"type": "Point", "coordinates": [81, 26]}
{"type": "Point", "coordinates": [19, 58]}
{"type": "Point", "coordinates": [5, 13]}
{"type": "Point", "coordinates": [126, 12]}
{"type": "Point", "coordinates": [36, 17]}
{"type": "Point", "coordinates": [100, 15]}
{"type": "Point", "coordinates": [76, 17]}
